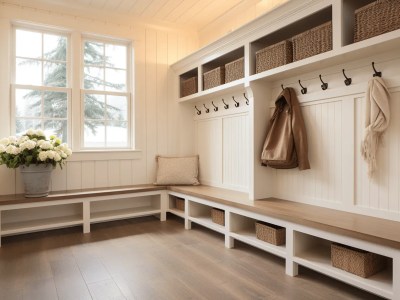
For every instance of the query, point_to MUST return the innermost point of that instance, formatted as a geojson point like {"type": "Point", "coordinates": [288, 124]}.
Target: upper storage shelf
{"type": "Point", "coordinates": [325, 25]}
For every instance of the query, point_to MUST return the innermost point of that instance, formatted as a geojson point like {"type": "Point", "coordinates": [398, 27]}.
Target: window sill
{"type": "Point", "coordinates": [87, 155]}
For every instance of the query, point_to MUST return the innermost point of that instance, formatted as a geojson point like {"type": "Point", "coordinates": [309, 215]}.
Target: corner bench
{"type": "Point", "coordinates": [309, 229]}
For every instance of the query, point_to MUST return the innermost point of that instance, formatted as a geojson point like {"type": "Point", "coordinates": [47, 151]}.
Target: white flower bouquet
{"type": "Point", "coordinates": [33, 148]}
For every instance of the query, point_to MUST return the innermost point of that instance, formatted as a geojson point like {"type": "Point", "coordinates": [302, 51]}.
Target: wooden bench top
{"type": "Point", "coordinates": [376, 230]}
{"type": "Point", "coordinates": [82, 193]}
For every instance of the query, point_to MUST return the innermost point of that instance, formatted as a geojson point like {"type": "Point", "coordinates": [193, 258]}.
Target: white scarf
{"type": "Point", "coordinates": [376, 120]}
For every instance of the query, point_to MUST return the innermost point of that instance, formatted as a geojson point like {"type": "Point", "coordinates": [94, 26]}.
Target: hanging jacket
{"type": "Point", "coordinates": [285, 146]}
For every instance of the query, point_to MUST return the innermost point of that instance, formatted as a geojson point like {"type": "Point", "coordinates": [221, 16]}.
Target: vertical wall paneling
{"type": "Point", "coordinates": [162, 92]}
{"type": "Point", "coordinates": [125, 168]}
{"type": "Point", "coordinates": [74, 175]}
{"type": "Point", "coordinates": [88, 171]}
{"type": "Point", "coordinates": [114, 173]}
{"type": "Point", "coordinates": [101, 174]}
{"type": "Point", "coordinates": [172, 87]}
{"type": "Point", "coordinates": [151, 101]}
{"type": "Point", "coordinates": [236, 152]}
{"type": "Point", "coordinates": [209, 148]}
{"type": "Point", "coordinates": [59, 179]}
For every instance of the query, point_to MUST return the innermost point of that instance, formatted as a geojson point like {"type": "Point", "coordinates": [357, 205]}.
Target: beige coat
{"type": "Point", "coordinates": [285, 146]}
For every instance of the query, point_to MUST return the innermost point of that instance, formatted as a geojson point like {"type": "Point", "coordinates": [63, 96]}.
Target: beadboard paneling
{"type": "Point", "coordinates": [236, 152]}
{"type": "Point", "coordinates": [323, 182]}
{"type": "Point", "coordinates": [381, 192]}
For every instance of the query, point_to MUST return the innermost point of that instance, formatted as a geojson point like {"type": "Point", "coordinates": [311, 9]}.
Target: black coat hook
{"type": "Point", "coordinates": [376, 73]}
{"type": "Point", "coordinates": [215, 107]}
{"type": "Point", "coordinates": [198, 111]}
{"type": "Point", "coordinates": [324, 85]}
{"type": "Point", "coordinates": [236, 103]}
{"type": "Point", "coordinates": [347, 81]}
{"type": "Point", "coordinates": [303, 89]}
{"type": "Point", "coordinates": [282, 87]}
{"type": "Point", "coordinates": [247, 100]}
{"type": "Point", "coordinates": [226, 106]}
{"type": "Point", "coordinates": [207, 110]}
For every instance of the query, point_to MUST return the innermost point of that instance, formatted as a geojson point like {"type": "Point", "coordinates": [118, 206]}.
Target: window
{"type": "Point", "coordinates": [106, 98]}
{"type": "Point", "coordinates": [40, 94]}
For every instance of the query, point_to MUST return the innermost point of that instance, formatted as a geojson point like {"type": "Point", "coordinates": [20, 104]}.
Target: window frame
{"type": "Point", "coordinates": [14, 86]}
{"type": "Point", "coordinates": [127, 93]}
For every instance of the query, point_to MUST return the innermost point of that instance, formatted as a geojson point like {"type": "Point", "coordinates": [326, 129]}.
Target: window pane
{"type": "Point", "coordinates": [28, 44]}
{"type": "Point", "coordinates": [28, 71]}
{"type": "Point", "coordinates": [55, 104]}
{"type": "Point", "coordinates": [117, 134]}
{"type": "Point", "coordinates": [94, 134]}
{"type": "Point", "coordinates": [94, 53]}
{"type": "Point", "coordinates": [22, 125]}
{"type": "Point", "coordinates": [56, 127]}
{"type": "Point", "coordinates": [94, 106]}
{"type": "Point", "coordinates": [116, 56]}
{"type": "Point", "coordinates": [55, 47]}
{"type": "Point", "coordinates": [115, 80]}
{"type": "Point", "coordinates": [117, 108]}
{"type": "Point", "coordinates": [94, 78]}
{"type": "Point", "coordinates": [55, 74]}
{"type": "Point", "coordinates": [28, 103]}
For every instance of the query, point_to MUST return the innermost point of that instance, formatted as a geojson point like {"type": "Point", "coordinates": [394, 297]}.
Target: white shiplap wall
{"type": "Point", "coordinates": [155, 107]}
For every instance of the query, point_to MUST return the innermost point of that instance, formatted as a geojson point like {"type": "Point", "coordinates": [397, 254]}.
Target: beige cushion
{"type": "Point", "coordinates": [177, 170]}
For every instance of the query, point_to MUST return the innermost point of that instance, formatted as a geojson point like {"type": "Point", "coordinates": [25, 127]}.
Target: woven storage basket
{"type": "Point", "coordinates": [274, 56]}
{"type": "Point", "coordinates": [356, 261]}
{"type": "Point", "coordinates": [214, 78]}
{"type": "Point", "coordinates": [218, 216]}
{"type": "Point", "coordinates": [270, 233]}
{"type": "Point", "coordinates": [180, 204]}
{"type": "Point", "coordinates": [234, 70]}
{"type": "Point", "coordinates": [312, 42]}
{"type": "Point", "coordinates": [189, 86]}
{"type": "Point", "coordinates": [376, 18]}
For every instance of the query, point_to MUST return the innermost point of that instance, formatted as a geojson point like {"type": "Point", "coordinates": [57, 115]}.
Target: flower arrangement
{"type": "Point", "coordinates": [33, 148]}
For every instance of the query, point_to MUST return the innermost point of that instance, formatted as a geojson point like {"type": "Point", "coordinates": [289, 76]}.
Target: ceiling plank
{"type": "Point", "coordinates": [183, 8]}
{"type": "Point", "coordinates": [153, 8]}
{"type": "Point", "coordinates": [167, 8]}
{"type": "Point", "coordinates": [140, 6]}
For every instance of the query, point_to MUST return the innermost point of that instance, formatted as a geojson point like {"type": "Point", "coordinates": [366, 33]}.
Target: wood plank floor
{"type": "Point", "coordinates": [148, 259]}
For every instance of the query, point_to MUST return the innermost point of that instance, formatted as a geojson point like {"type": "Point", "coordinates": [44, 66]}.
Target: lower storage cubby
{"type": "Point", "coordinates": [23, 220]}
{"type": "Point", "coordinates": [243, 228]}
{"type": "Point", "coordinates": [108, 210]}
{"type": "Point", "coordinates": [316, 253]}
{"type": "Point", "coordinates": [176, 206]}
{"type": "Point", "coordinates": [202, 214]}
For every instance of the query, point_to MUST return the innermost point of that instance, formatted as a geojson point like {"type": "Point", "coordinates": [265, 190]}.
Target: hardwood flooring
{"type": "Point", "coordinates": [148, 259]}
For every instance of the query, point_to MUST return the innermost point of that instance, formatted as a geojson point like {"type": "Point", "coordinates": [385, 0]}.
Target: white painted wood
{"type": "Point", "coordinates": [74, 172]}
{"type": "Point", "coordinates": [125, 170]}
{"type": "Point", "coordinates": [88, 174]}
{"type": "Point", "coordinates": [101, 174]}
{"type": "Point", "coordinates": [114, 173]}
{"type": "Point", "coordinates": [86, 216]}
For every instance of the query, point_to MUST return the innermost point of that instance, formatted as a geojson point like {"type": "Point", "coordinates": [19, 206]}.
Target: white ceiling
{"type": "Point", "coordinates": [193, 14]}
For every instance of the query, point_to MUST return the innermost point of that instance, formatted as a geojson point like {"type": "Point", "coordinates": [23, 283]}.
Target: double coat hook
{"type": "Point", "coordinates": [198, 111]}
{"type": "Point", "coordinates": [303, 89]}
{"type": "Point", "coordinates": [347, 81]}
{"type": "Point", "coordinates": [215, 107]}
{"type": "Point", "coordinates": [324, 85]}
{"type": "Point", "coordinates": [226, 106]}
{"type": "Point", "coordinates": [236, 103]}
{"type": "Point", "coordinates": [247, 100]}
{"type": "Point", "coordinates": [207, 110]}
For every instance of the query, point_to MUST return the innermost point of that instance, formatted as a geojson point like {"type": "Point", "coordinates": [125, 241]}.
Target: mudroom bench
{"type": "Point", "coordinates": [80, 207]}
{"type": "Point", "coordinates": [309, 232]}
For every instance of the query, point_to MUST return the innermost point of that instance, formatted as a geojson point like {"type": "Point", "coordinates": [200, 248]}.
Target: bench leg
{"type": "Point", "coordinates": [396, 277]}
{"type": "Point", "coordinates": [86, 217]}
{"type": "Point", "coordinates": [163, 206]}
{"type": "Point", "coordinates": [229, 241]}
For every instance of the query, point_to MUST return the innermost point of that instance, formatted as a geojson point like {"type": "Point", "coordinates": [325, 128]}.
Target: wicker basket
{"type": "Point", "coordinates": [359, 262]}
{"type": "Point", "coordinates": [180, 204]}
{"type": "Point", "coordinates": [312, 42]}
{"type": "Point", "coordinates": [376, 18]}
{"type": "Point", "coordinates": [274, 56]}
{"type": "Point", "coordinates": [218, 216]}
{"type": "Point", "coordinates": [189, 86]}
{"type": "Point", "coordinates": [270, 233]}
{"type": "Point", "coordinates": [234, 70]}
{"type": "Point", "coordinates": [214, 78]}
